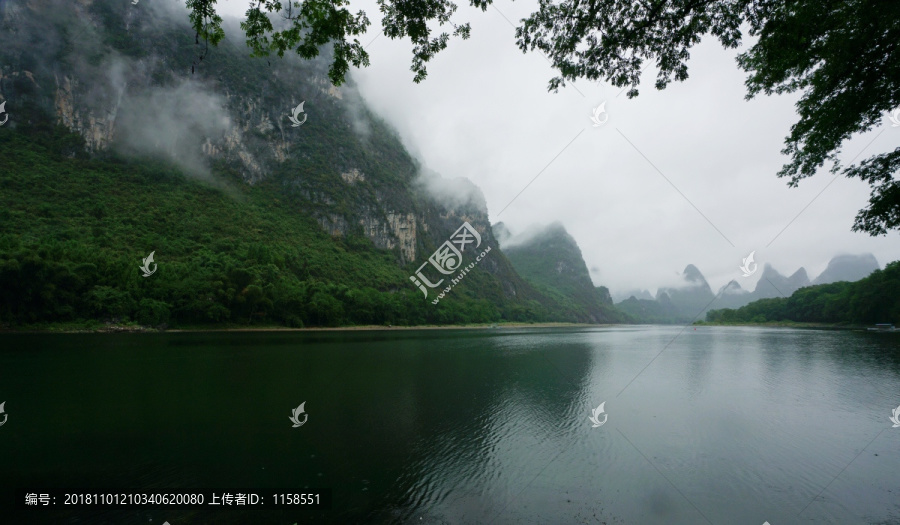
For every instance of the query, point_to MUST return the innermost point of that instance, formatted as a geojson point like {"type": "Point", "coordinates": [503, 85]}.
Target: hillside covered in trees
{"type": "Point", "coordinates": [550, 259]}
{"type": "Point", "coordinates": [116, 146]}
{"type": "Point", "coordinates": [875, 299]}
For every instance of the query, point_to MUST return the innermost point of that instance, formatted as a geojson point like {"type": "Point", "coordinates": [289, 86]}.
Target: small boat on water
{"type": "Point", "coordinates": [883, 327]}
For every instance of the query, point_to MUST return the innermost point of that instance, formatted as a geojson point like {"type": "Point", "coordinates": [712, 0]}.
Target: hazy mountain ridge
{"type": "Point", "coordinates": [870, 300]}
{"type": "Point", "coordinates": [847, 267]}
{"type": "Point", "coordinates": [695, 298]}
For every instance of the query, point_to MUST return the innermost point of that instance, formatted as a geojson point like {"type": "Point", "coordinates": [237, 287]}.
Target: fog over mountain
{"type": "Point", "coordinates": [107, 111]}
{"type": "Point", "coordinates": [678, 179]}
{"type": "Point", "coordinates": [773, 284]}
{"type": "Point", "coordinates": [549, 258]}
{"type": "Point", "coordinates": [847, 268]}
{"type": "Point", "coordinates": [639, 294]}
{"type": "Point", "coordinates": [693, 295]}
{"type": "Point", "coordinates": [675, 177]}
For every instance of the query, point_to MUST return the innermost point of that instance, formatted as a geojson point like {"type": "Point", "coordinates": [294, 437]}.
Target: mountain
{"type": "Point", "coordinates": [550, 259]}
{"type": "Point", "coordinates": [690, 299]}
{"type": "Point", "coordinates": [656, 311]}
{"type": "Point", "coordinates": [677, 304]}
{"type": "Point", "coordinates": [733, 288]}
{"type": "Point", "coordinates": [637, 294]}
{"type": "Point", "coordinates": [773, 284]}
{"type": "Point", "coordinates": [732, 295]}
{"type": "Point", "coordinates": [683, 303]}
{"type": "Point", "coordinates": [873, 299]}
{"type": "Point", "coordinates": [125, 138]}
{"type": "Point", "coordinates": [848, 268]}
{"type": "Point", "coordinates": [501, 233]}
{"type": "Point", "coordinates": [840, 268]}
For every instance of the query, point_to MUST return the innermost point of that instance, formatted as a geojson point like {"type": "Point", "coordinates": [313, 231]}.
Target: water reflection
{"type": "Point", "coordinates": [734, 425]}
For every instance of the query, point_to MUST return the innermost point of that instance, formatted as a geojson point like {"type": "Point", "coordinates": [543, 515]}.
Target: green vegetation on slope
{"type": "Point", "coordinates": [875, 299]}
{"type": "Point", "coordinates": [73, 232]}
{"type": "Point", "coordinates": [652, 311]}
{"type": "Point", "coordinates": [552, 262]}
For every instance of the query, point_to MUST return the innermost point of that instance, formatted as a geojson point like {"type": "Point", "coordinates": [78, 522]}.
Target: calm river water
{"type": "Point", "coordinates": [716, 425]}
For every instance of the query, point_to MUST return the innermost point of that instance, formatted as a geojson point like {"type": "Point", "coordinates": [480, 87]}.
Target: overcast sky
{"type": "Point", "coordinates": [674, 177]}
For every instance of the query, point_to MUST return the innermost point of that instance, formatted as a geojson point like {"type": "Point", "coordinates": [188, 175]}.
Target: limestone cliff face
{"type": "Point", "coordinates": [97, 122]}
{"type": "Point", "coordinates": [93, 125]}
{"type": "Point", "coordinates": [143, 92]}
{"type": "Point", "coordinates": [401, 227]}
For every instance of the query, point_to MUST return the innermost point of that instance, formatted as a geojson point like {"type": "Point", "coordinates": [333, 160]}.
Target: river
{"type": "Point", "coordinates": [720, 425]}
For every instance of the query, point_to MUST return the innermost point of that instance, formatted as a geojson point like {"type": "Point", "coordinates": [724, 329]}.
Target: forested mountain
{"type": "Point", "coordinates": [550, 259]}
{"type": "Point", "coordinates": [266, 195]}
{"type": "Point", "coordinates": [652, 311]}
{"type": "Point", "coordinates": [874, 299]}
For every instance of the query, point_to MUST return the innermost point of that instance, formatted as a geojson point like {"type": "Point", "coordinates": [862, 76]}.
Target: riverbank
{"type": "Point", "coordinates": [93, 327]}
{"type": "Point", "coordinates": [789, 324]}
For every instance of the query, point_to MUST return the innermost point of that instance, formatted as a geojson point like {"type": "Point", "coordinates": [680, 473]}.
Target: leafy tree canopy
{"type": "Point", "coordinates": [842, 55]}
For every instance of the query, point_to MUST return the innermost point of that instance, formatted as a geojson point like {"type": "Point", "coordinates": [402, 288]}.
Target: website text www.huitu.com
{"type": "Point", "coordinates": [448, 258]}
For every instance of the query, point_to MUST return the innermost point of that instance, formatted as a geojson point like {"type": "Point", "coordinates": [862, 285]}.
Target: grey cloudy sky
{"type": "Point", "coordinates": [484, 113]}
